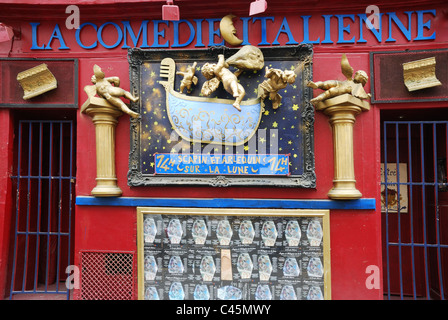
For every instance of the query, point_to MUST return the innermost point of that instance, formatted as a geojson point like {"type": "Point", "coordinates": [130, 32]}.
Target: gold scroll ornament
{"type": "Point", "coordinates": [420, 74]}
{"type": "Point", "coordinates": [36, 81]}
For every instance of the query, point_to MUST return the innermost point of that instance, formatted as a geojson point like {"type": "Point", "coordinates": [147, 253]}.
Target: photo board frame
{"type": "Point", "coordinates": [271, 254]}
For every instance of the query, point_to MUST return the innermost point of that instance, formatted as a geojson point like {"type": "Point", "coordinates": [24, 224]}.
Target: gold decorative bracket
{"type": "Point", "coordinates": [420, 74]}
{"type": "Point", "coordinates": [36, 81]}
{"type": "Point", "coordinates": [342, 111]}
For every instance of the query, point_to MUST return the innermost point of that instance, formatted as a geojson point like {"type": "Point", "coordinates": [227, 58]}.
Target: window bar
{"type": "Point", "coordinates": [39, 192]}
{"type": "Point", "coordinates": [422, 158]}
{"type": "Point", "coordinates": [418, 245]}
{"type": "Point", "coordinates": [71, 199]}
{"type": "Point", "coordinates": [397, 159]}
{"type": "Point", "coordinates": [50, 173]}
{"type": "Point", "coordinates": [387, 209]}
{"type": "Point", "coordinates": [19, 158]}
{"type": "Point", "coordinates": [25, 263]}
{"type": "Point", "coordinates": [61, 138]}
{"type": "Point", "coordinates": [411, 211]}
{"type": "Point", "coordinates": [437, 213]}
{"type": "Point", "coordinates": [445, 183]}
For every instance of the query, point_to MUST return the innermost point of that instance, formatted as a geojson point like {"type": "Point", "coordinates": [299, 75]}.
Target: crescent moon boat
{"type": "Point", "coordinates": [208, 120]}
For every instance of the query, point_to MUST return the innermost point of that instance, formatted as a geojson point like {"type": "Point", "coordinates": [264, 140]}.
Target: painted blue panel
{"type": "Point", "coordinates": [360, 204]}
{"type": "Point", "coordinates": [238, 164]}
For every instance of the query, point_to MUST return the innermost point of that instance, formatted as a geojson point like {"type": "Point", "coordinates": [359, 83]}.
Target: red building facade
{"type": "Point", "coordinates": [105, 228]}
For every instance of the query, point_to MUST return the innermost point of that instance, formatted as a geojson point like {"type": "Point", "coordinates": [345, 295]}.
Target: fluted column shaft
{"type": "Point", "coordinates": [342, 120]}
{"type": "Point", "coordinates": [105, 119]}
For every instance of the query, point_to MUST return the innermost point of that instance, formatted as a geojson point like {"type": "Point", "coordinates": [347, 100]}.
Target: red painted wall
{"type": "Point", "coordinates": [6, 137]}
{"type": "Point", "coordinates": [355, 234]}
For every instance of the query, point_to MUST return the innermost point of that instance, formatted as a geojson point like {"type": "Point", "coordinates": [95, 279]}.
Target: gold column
{"type": "Point", "coordinates": [342, 111]}
{"type": "Point", "coordinates": [104, 117]}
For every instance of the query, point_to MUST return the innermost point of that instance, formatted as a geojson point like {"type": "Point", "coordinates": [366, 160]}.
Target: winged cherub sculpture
{"type": "Point", "coordinates": [247, 58]}
{"type": "Point", "coordinates": [353, 85]}
{"type": "Point", "coordinates": [112, 93]}
{"type": "Point", "coordinates": [189, 77]}
{"type": "Point", "coordinates": [215, 73]}
{"type": "Point", "coordinates": [276, 80]}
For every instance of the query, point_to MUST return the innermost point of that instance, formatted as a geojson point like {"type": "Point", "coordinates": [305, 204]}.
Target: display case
{"type": "Point", "coordinates": [233, 254]}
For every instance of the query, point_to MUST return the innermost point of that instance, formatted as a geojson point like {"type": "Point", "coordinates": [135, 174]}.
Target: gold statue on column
{"type": "Point", "coordinates": [352, 85]}
{"type": "Point", "coordinates": [105, 111]}
{"type": "Point", "coordinates": [342, 101]}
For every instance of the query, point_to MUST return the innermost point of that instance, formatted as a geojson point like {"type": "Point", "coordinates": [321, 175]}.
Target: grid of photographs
{"type": "Point", "coordinates": [200, 257]}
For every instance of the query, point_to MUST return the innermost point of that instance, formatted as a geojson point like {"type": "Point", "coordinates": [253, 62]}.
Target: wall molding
{"type": "Point", "coordinates": [359, 204]}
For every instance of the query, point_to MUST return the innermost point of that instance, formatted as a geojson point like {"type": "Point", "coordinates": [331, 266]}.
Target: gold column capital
{"type": "Point", "coordinates": [96, 105]}
{"type": "Point", "coordinates": [345, 101]}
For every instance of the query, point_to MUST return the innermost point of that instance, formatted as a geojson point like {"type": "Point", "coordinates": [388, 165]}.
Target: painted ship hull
{"type": "Point", "coordinates": [208, 120]}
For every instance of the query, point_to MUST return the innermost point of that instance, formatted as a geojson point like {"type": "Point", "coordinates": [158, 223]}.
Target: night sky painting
{"type": "Point", "coordinates": [280, 131]}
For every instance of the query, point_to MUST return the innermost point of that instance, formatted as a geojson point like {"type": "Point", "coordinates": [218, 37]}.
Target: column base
{"type": "Point", "coordinates": [344, 194]}
{"type": "Point", "coordinates": [106, 191]}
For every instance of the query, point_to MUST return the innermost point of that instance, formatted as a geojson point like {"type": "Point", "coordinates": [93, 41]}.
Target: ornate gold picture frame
{"type": "Point", "coordinates": [264, 139]}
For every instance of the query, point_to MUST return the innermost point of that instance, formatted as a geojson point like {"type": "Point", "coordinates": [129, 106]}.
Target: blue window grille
{"type": "Point", "coordinates": [414, 196]}
{"type": "Point", "coordinates": [44, 185]}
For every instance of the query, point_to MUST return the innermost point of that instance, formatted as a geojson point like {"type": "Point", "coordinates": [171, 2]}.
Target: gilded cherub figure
{"type": "Point", "coordinates": [189, 78]}
{"type": "Point", "coordinates": [112, 93]}
{"type": "Point", "coordinates": [219, 72]}
{"type": "Point", "coordinates": [277, 80]}
{"type": "Point", "coordinates": [352, 85]}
